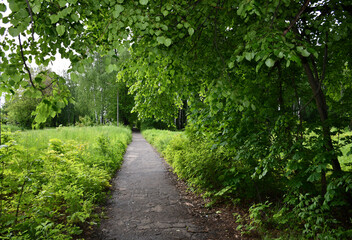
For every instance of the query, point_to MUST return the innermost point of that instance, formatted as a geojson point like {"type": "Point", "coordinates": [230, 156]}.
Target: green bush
{"type": "Point", "coordinates": [159, 138]}
{"type": "Point", "coordinates": [239, 176]}
{"type": "Point", "coordinates": [11, 128]}
{"type": "Point", "coordinates": [50, 191]}
{"type": "Point", "coordinates": [85, 121]}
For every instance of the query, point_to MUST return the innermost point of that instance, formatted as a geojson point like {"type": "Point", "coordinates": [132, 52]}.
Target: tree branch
{"type": "Point", "coordinates": [215, 41]}
{"type": "Point", "coordinates": [24, 62]}
{"type": "Point", "coordinates": [293, 22]}
{"type": "Point", "coordinates": [32, 21]}
{"type": "Point", "coordinates": [106, 27]}
{"type": "Point", "coordinates": [325, 59]}
{"type": "Point", "coordinates": [275, 14]}
{"type": "Point", "coordinates": [199, 31]}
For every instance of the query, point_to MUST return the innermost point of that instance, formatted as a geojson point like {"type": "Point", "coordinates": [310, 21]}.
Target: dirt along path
{"type": "Point", "coordinates": [145, 202]}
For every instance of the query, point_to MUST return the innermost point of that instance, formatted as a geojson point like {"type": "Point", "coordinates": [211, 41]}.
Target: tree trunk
{"type": "Point", "coordinates": [117, 107]}
{"type": "Point", "coordinates": [323, 112]}
{"type": "Point", "coordinates": [280, 98]}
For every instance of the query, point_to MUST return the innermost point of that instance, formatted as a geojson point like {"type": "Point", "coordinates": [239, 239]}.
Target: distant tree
{"type": "Point", "coordinates": [96, 93]}
{"type": "Point", "coordinates": [19, 110]}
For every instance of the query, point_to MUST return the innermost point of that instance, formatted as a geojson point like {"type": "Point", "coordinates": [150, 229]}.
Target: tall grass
{"type": "Point", "coordinates": [39, 139]}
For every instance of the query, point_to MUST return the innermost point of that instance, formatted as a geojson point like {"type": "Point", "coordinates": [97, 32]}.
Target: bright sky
{"type": "Point", "coordinates": [60, 65]}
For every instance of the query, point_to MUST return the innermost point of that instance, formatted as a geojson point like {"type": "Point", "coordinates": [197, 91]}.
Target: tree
{"type": "Point", "coordinates": [96, 93]}
{"type": "Point", "coordinates": [20, 110]}
{"type": "Point", "coordinates": [24, 102]}
{"type": "Point", "coordinates": [266, 79]}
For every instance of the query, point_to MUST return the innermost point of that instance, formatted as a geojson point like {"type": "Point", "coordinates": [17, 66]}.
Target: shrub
{"type": "Point", "coordinates": [243, 175]}
{"type": "Point", "coordinates": [49, 192]}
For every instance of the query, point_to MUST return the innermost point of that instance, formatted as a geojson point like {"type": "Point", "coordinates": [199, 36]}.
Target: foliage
{"type": "Point", "coordinates": [151, 123]}
{"type": "Point", "coordinates": [19, 111]}
{"type": "Point", "coordinates": [10, 128]}
{"type": "Point", "coordinates": [218, 172]}
{"type": "Point", "coordinates": [22, 106]}
{"type": "Point", "coordinates": [49, 192]}
{"type": "Point", "coordinates": [84, 122]}
{"type": "Point", "coordinates": [96, 93]}
{"type": "Point", "coordinates": [159, 138]}
{"type": "Point", "coordinates": [267, 83]}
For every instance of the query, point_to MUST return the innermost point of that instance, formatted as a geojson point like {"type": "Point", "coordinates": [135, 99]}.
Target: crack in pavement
{"type": "Point", "coordinates": [145, 204]}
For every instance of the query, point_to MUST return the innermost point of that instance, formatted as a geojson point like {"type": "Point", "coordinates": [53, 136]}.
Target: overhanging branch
{"type": "Point", "coordinates": [32, 21]}
{"type": "Point", "coordinates": [25, 64]}
{"type": "Point", "coordinates": [293, 22]}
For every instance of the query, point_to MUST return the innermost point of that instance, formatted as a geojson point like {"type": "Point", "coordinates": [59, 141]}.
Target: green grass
{"type": "Point", "coordinates": [39, 139]}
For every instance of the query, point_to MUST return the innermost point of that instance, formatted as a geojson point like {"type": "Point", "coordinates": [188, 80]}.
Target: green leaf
{"type": "Point", "coordinates": [259, 65]}
{"type": "Point", "coordinates": [253, 107]}
{"type": "Point", "coordinates": [165, 13]}
{"type": "Point", "coordinates": [53, 114]}
{"type": "Point", "coordinates": [294, 57]}
{"type": "Point", "coordinates": [313, 51]}
{"type": "Point", "coordinates": [219, 105]}
{"type": "Point", "coordinates": [305, 53]}
{"type": "Point", "coordinates": [14, 6]}
{"type": "Point", "coordinates": [249, 55]}
{"type": "Point", "coordinates": [190, 31]}
{"type": "Point", "coordinates": [14, 32]}
{"type": "Point", "coordinates": [231, 65]}
{"type": "Point", "coordinates": [167, 42]}
{"type": "Point", "coordinates": [118, 10]}
{"type": "Point", "coordinates": [315, 176]}
{"type": "Point", "coordinates": [110, 68]}
{"type": "Point", "coordinates": [161, 40]}
{"type": "Point", "coordinates": [54, 18]}
{"type": "Point", "coordinates": [269, 62]}
{"type": "Point", "coordinates": [74, 77]}
{"type": "Point", "coordinates": [2, 31]}
{"type": "Point", "coordinates": [2, 7]}
{"type": "Point", "coordinates": [143, 2]}
{"type": "Point", "coordinates": [60, 29]}
{"type": "Point", "coordinates": [62, 3]}
{"type": "Point", "coordinates": [36, 8]}
{"type": "Point", "coordinates": [80, 68]}
{"type": "Point", "coordinates": [288, 63]}
{"type": "Point", "coordinates": [75, 17]}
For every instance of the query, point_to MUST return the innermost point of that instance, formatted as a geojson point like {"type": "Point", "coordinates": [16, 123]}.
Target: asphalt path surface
{"type": "Point", "coordinates": [145, 203]}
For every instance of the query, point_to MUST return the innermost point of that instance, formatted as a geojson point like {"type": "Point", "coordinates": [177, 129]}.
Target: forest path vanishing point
{"type": "Point", "coordinates": [145, 203]}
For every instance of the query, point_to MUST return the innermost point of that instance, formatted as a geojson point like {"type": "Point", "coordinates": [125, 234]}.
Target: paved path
{"type": "Point", "coordinates": [145, 203]}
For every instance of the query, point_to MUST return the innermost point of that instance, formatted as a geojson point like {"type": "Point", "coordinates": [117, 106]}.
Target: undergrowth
{"type": "Point", "coordinates": [277, 209]}
{"type": "Point", "coordinates": [52, 180]}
